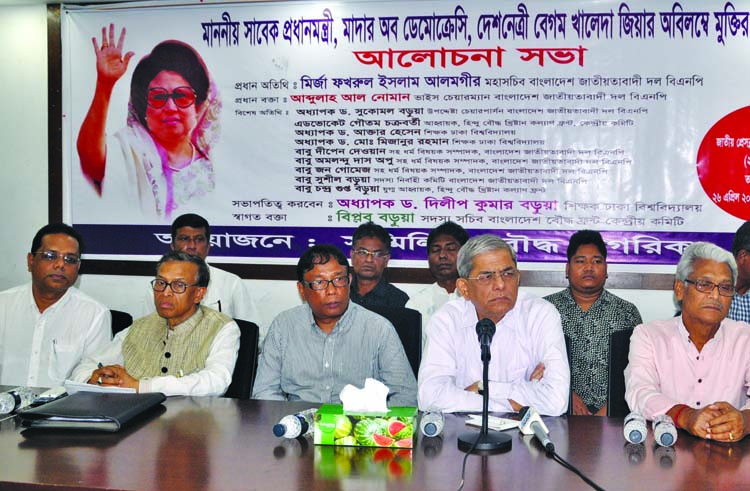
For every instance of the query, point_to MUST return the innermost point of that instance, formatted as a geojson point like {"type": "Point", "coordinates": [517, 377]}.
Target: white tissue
{"type": "Point", "coordinates": [370, 399]}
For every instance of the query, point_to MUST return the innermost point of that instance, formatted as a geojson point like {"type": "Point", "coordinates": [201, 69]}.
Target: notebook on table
{"type": "Point", "coordinates": [91, 411]}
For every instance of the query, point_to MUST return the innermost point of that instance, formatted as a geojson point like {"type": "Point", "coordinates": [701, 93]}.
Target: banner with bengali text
{"type": "Point", "coordinates": [529, 120]}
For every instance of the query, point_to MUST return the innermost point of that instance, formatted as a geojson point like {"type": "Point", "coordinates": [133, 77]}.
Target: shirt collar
{"type": "Point", "coordinates": [343, 323]}
{"type": "Point", "coordinates": [188, 324]}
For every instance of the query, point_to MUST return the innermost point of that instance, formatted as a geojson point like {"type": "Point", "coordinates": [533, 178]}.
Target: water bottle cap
{"type": "Point", "coordinates": [430, 429]}
{"type": "Point", "coordinates": [666, 439]}
{"type": "Point", "coordinates": [279, 429]}
{"type": "Point", "coordinates": [635, 436]}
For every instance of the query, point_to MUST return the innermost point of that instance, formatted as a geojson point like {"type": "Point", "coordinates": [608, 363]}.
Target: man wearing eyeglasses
{"type": "Point", "coordinates": [695, 367]}
{"type": "Point", "coordinates": [226, 293]}
{"type": "Point", "coordinates": [371, 250]}
{"type": "Point", "coordinates": [47, 326]}
{"type": "Point", "coordinates": [314, 350]}
{"type": "Point", "coordinates": [181, 349]}
{"type": "Point", "coordinates": [528, 365]}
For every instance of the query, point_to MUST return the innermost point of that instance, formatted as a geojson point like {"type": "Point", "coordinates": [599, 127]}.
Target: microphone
{"type": "Point", "coordinates": [532, 423]}
{"type": "Point", "coordinates": [665, 434]}
{"type": "Point", "coordinates": [634, 429]}
{"type": "Point", "coordinates": [432, 423]}
{"type": "Point", "coordinates": [485, 331]}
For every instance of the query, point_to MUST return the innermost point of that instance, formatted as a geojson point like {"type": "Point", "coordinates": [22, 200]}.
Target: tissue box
{"type": "Point", "coordinates": [392, 429]}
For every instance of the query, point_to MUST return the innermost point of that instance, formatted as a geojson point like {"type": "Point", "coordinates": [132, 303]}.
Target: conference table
{"type": "Point", "coordinates": [224, 444]}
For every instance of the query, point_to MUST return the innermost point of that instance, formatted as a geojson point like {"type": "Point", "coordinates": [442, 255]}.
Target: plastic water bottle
{"type": "Point", "coordinates": [432, 423]}
{"type": "Point", "coordinates": [665, 433]}
{"type": "Point", "coordinates": [634, 428]}
{"type": "Point", "coordinates": [294, 425]}
{"type": "Point", "coordinates": [17, 398]}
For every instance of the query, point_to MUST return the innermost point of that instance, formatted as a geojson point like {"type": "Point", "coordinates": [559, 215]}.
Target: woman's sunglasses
{"type": "Point", "coordinates": [159, 96]}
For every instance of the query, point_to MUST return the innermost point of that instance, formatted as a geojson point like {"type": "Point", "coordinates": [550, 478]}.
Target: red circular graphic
{"type": "Point", "coordinates": [724, 163]}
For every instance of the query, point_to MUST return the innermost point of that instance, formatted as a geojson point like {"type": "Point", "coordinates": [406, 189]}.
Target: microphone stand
{"type": "Point", "coordinates": [484, 441]}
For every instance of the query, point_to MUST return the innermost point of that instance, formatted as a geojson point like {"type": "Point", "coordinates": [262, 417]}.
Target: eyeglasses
{"type": "Point", "coordinates": [159, 96]}
{"type": "Point", "coordinates": [176, 286]}
{"type": "Point", "coordinates": [704, 286]}
{"type": "Point", "coordinates": [363, 253]}
{"type": "Point", "coordinates": [318, 285]}
{"type": "Point", "coordinates": [486, 278]}
{"type": "Point", "coordinates": [52, 256]}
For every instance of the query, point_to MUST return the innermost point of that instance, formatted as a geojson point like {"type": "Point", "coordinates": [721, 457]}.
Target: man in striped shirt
{"type": "Point", "coordinates": [314, 350]}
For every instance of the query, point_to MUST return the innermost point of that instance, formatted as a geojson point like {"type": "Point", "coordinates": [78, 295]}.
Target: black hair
{"type": "Point", "coordinates": [370, 229]}
{"type": "Point", "coordinates": [56, 228]}
{"type": "Point", "coordinates": [448, 228]}
{"type": "Point", "coordinates": [203, 274]}
{"type": "Point", "coordinates": [172, 56]}
{"type": "Point", "coordinates": [741, 240]}
{"type": "Point", "coordinates": [319, 254]}
{"type": "Point", "coordinates": [586, 237]}
{"type": "Point", "coordinates": [193, 221]}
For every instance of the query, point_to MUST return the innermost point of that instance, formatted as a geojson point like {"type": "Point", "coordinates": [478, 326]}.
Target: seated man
{"type": "Point", "coordinates": [371, 250]}
{"type": "Point", "coordinates": [226, 293]}
{"type": "Point", "coordinates": [528, 366]}
{"type": "Point", "coordinates": [695, 367]}
{"type": "Point", "coordinates": [312, 351]}
{"type": "Point", "coordinates": [590, 314]}
{"type": "Point", "coordinates": [739, 309]}
{"type": "Point", "coordinates": [443, 244]}
{"type": "Point", "coordinates": [47, 326]}
{"type": "Point", "coordinates": [181, 349]}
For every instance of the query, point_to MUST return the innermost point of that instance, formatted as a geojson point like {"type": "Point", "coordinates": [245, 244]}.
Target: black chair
{"type": "Point", "coordinates": [619, 348]}
{"type": "Point", "coordinates": [243, 376]}
{"type": "Point", "coordinates": [120, 320]}
{"type": "Point", "coordinates": [568, 352]}
{"type": "Point", "coordinates": [408, 324]}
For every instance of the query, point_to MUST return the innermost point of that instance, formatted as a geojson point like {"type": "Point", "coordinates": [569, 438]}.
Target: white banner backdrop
{"type": "Point", "coordinates": [530, 120]}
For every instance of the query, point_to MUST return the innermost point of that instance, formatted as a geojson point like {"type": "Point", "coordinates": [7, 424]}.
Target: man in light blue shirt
{"type": "Point", "coordinates": [312, 351]}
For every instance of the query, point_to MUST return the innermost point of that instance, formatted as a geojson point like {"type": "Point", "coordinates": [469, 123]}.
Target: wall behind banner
{"type": "Point", "coordinates": [24, 189]}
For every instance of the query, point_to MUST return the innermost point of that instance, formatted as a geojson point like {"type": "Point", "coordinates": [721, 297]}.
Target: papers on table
{"type": "Point", "coordinates": [493, 422]}
{"type": "Point", "coordinates": [73, 387]}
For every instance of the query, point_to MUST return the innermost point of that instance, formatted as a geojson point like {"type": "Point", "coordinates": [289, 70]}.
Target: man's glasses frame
{"type": "Point", "coordinates": [182, 96]}
{"type": "Point", "coordinates": [364, 253]}
{"type": "Point", "coordinates": [52, 256]}
{"type": "Point", "coordinates": [320, 285]}
{"type": "Point", "coordinates": [486, 277]}
{"type": "Point", "coordinates": [705, 286]}
{"type": "Point", "coordinates": [176, 286]}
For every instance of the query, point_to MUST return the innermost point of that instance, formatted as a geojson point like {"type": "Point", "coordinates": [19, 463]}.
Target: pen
{"type": "Point", "coordinates": [99, 380]}
{"type": "Point", "coordinates": [219, 302]}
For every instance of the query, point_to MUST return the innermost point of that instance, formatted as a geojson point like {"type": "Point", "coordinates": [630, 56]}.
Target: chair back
{"type": "Point", "coordinates": [569, 353]}
{"type": "Point", "coordinates": [408, 324]}
{"type": "Point", "coordinates": [120, 321]}
{"type": "Point", "coordinates": [243, 376]}
{"type": "Point", "coordinates": [619, 348]}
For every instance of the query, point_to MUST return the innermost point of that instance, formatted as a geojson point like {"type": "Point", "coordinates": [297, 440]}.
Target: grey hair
{"type": "Point", "coordinates": [479, 245]}
{"type": "Point", "coordinates": [702, 250]}
{"type": "Point", "coordinates": [203, 276]}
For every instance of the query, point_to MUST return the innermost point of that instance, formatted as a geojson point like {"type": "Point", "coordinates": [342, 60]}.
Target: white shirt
{"type": "Point", "coordinates": [665, 368]}
{"type": "Point", "coordinates": [528, 334]}
{"type": "Point", "coordinates": [213, 380]}
{"type": "Point", "coordinates": [41, 349]}
{"type": "Point", "coordinates": [226, 293]}
{"type": "Point", "coordinates": [427, 301]}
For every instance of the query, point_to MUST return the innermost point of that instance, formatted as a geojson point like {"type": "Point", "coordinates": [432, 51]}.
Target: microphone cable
{"type": "Point", "coordinates": [557, 458]}
{"type": "Point", "coordinates": [463, 466]}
